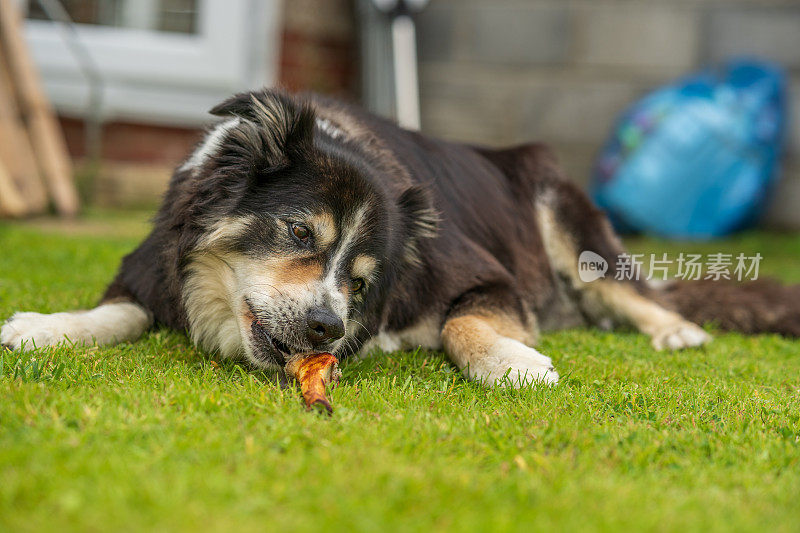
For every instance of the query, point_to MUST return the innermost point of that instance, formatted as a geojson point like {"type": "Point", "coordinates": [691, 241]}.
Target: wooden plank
{"type": "Point", "coordinates": [11, 202]}
{"type": "Point", "coordinates": [15, 148]}
{"type": "Point", "coordinates": [46, 136]}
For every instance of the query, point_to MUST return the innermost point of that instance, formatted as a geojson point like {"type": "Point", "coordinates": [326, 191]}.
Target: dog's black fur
{"type": "Point", "coordinates": [465, 239]}
{"type": "Point", "coordinates": [479, 200]}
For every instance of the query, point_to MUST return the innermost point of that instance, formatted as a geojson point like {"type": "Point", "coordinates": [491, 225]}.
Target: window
{"type": "Point", "coordinates": [163, 61]}
{"type": "Point", "coordinates": [177, 16]}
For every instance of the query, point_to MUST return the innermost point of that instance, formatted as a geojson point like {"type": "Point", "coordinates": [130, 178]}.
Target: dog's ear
{"type": "Point", "coordinates": [273, 126]}
{"type": "Point", "coordinates": [420, 219]}
{"type": "Point", "coordinates": [238, 105]}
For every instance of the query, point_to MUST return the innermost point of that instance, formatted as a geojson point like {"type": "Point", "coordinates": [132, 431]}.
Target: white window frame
{"type": "Point", "coordinates": [161, 77]}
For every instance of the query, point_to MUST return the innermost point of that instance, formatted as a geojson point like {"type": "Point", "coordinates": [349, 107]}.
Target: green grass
{"type": "Point", "coordinates": [156, 435]}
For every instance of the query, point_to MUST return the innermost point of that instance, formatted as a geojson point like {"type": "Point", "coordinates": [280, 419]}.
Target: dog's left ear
{"type": "Point", "coordinates": [238, 105]}
{"type": "Point", "coordinates": [274, 125]}
{"type": "Point", "coordinates": [420, 219]}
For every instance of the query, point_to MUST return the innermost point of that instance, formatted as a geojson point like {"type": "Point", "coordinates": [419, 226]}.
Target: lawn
{"type": "Point", "coordinates": [157, 435]}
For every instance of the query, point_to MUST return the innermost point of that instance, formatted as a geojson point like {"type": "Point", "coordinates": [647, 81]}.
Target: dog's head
{"type": "Point", "coordinates": [290, 241]}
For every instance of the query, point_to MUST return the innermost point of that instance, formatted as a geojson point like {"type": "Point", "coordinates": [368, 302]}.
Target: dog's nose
{"type": "Point", "coordinates": [323, 326]}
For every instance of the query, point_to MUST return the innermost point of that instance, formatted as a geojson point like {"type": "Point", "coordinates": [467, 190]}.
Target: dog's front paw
{"type": "Point", "coordinates": [30, 330]}
{"type": "Point", "coordinates": [680, 335]}
{"type": "Point", "coordinates": [510, 363]}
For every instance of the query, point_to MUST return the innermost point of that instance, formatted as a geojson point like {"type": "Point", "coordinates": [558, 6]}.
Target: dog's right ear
{"type": "Point", "coordinates": [274, 125]}
{"type": "Point", "coordinates": [420, 219]}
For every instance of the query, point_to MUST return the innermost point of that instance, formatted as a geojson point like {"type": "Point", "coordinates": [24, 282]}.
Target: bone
{"type": "Point", "coordinates": [315, 372]}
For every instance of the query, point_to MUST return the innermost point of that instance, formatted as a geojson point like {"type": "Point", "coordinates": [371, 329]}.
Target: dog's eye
{"type": "Point", "coordinates": [301, 232]}
{"type": "Point", "coordinates": [356, 285]}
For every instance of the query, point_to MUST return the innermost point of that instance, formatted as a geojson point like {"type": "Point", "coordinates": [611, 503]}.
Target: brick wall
{"type": "Point", "coordinates": [319, 51]}
{"type": "Point", "coordinates": [507, 71]}
{"type": "Point", "coordinates": [136, 160]}
{"type": "Point", "coordinates": [132, 143]}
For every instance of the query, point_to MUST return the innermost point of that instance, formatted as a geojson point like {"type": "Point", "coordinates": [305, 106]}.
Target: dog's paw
{"type": "Point", "coordinates": [680, 335]}
{"type": "Point", "coordinates": [510, 363]}
{"type": "Point", "coordinates": [31, 330]}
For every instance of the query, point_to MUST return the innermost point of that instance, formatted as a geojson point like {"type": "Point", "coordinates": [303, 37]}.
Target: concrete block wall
{"type": "Point", "coordinates": [499, 72]}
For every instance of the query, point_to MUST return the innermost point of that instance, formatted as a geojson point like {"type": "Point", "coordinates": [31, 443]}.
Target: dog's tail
{"type": "Point", "coordinates": [762, 306]}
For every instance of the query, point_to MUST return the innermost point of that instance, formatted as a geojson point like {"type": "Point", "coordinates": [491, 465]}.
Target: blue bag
{"type": "Point", "coordinates": [696, 159]}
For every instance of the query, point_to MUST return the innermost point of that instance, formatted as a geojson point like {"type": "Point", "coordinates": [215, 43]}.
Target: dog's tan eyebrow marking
{"type": "Point", "coordinates": [224, 230]}
{"type": "Point", "coordinates": [324, 227]}
{"type": "Point", "coordinates": [364, 266]}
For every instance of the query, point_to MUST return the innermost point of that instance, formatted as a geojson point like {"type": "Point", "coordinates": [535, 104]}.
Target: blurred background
{"type": "Point", "coordinates": [132, 80]}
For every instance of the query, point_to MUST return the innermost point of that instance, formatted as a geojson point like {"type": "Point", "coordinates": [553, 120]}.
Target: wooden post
{"type": "Point", "coordinates": [11, 202]}
{"type": "Point", "coordinates": [46, 137]}
{"type": "Point", "coordinates": [15, 148]}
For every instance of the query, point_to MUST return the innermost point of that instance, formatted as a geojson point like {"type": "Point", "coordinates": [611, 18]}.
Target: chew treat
{"type": "Point", "coordinates": [314, 372]}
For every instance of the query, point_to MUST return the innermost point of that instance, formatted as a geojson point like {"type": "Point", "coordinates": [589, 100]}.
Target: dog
{"type": "Point", "coordinates": [302, 224]}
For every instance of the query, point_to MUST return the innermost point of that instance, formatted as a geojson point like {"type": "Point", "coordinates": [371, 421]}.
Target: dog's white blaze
{"type": "Point", "coordinates": [211, 144]}
{"type": "Point", "coordinates": [106, 324]}
{"type": "Point", "coordinates": [350, 232]}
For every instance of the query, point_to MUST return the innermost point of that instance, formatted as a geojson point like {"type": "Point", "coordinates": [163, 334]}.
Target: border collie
{"type": "Point", "coordinates": [303, 224]}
